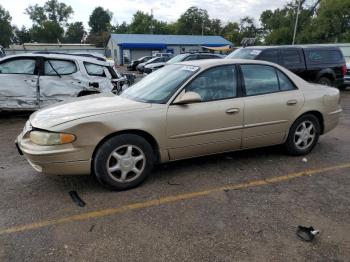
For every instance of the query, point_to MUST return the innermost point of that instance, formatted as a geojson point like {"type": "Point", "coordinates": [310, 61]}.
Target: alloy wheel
{"type": "Point", "coordinates": [126, 163]}
{"type": "Point", "coordinates": [304, 135]}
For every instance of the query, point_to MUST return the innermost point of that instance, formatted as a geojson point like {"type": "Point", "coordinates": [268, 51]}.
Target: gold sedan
{"type": "Point", "coordinates": [181, 111]}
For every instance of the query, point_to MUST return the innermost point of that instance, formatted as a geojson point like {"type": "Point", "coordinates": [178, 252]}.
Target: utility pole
{"type": "Point", "coordinates": [151, 21]}
{"type": "Point", "coordinates": [296, 22]}
{"type": "Point", "coordinates": [203, 27]}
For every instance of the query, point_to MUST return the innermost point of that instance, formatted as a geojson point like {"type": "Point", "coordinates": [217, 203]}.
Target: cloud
{"type": "Point", "coordinates": [165, 10]}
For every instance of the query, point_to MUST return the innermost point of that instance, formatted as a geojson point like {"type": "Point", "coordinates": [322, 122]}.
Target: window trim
{"type": "Point", "coordinates": [244, 92]}
{"type": "Point", "coordinates": [85, 62]}
{"type": "Point", "coordinates": [239, 90]}
{"type": "Point", "coordinates": [58, 59]}
{"type": "Point", "coordinates": [35, 73]}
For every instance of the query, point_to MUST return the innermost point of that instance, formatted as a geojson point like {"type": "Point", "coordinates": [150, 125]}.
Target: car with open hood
{"type": "Point", "coordinates": [182, 110]}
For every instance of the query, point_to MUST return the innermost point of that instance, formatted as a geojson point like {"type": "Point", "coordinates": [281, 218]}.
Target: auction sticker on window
{"type": "Point", "coordinates": [255, 52]}
{"type": "Point", "coordinates": [190, 68]}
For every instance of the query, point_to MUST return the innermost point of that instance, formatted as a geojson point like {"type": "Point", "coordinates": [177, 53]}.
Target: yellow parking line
{"type": "Point", "coordinates": [168, 199]}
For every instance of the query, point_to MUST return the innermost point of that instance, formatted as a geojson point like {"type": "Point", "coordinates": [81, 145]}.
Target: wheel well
{"type": "Point", "coordinates": [327, 75]}
{"type": "Point", "coordinates": [86, 93]}
{"type": "Point", "coordinates": [319, 117]}
{"type": "Point", "coordinates": [148, 137]}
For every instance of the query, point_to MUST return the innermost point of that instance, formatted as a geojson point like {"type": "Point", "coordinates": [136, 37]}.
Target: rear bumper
{"type": "Point", "coordinates": [332, 120]}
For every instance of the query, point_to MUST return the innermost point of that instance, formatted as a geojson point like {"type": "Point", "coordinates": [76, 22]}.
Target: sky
{"type": "Point", "coordinates": [164, 10]}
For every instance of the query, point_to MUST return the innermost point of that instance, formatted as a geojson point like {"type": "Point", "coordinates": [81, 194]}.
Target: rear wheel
{"type": "Point", "coordinates": [123, 161]}
{"type": "Point", "coordinates": [325, 81]}
{"type": "Point", "coordinates": [303, 135]}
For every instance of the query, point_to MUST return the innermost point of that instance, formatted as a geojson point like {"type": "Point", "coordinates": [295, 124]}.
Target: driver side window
{"type": "Point", "coordinates": [215, 84]}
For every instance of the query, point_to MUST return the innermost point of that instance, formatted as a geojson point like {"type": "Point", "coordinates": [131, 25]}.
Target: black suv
{"type": "Point", "coordinates": [317, 64]}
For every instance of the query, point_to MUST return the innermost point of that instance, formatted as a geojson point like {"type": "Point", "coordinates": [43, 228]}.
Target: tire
{"type": "Point", "coordinates": [293, 145]}
{"type": "Point", "coordinates": [325, 81]}
{"type": "Point", "coordinates": [114, 158]}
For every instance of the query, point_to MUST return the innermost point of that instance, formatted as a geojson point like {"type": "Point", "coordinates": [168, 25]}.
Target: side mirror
{"type": "Point", "coordinates": [188, 98]}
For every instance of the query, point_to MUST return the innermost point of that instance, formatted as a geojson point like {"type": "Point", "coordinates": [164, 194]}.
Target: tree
{"type": "Point", "coordinates": [5, 27]}
{"type": "Point", "coordinates": [75, 32]}
{"type": "Point", "coordinates": [142, 23]}
{"type": "Point", "coordinates": [123, 28]}
{"type": "Point", "coordinates": [21, 35]}
{"type": "Point", "coordinates": [215, 27]}
{"type": "Point", "coordinates": [48, 32]}
{"type": "Point", "coordinates": [231, 33]}
{"type": "Point", "coordinates": [193, 22]}
{"type": "Point", "coordinates": [51, 11]}
{"type": "Point", "coordinates": [48, 21]}
{"type": "Point", "coordinates": [100, 20]}
{"type": "Point", "coordinates": [331, 23]}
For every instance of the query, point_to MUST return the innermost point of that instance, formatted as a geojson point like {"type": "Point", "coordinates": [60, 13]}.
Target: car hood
{"type": "Point", "coordinates": [155, 65]}
{"type": "Point", "coordinates": [83, 107]}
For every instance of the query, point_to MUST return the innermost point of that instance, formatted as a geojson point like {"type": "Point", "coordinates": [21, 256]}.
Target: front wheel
{"type": "Point", "coordinates": [303, 135]}
{"type": "Point", "coordinates": [123, 161]}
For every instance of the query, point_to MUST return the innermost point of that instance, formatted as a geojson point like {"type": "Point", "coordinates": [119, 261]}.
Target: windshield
{"type": "Point", "coordinates": [244, 53]}
{"type": "Point", "coordinates": [159, 86]}
{"type": "Point", "coordinates": [176, 59]}
{"type": "Point", "coordinates": [152, 60]}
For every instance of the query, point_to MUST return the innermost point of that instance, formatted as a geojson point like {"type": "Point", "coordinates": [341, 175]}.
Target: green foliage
{"type": "Point", "coordinates": [74, 33]}
{"type": "Point", "coordinates": [100, 20]}
{"type": "Point", "coordinates": [123, 28]}
{"type": "Point", "coordinates": [194, 21]}
{"type": "Point", "coordinates": [331, 23]}
{"type": "Point", "coordinates": [47, 32]}
{"type": "Point", "coordinates": [48, 21]}
{"type": "Point", "coordinates": [5, 27]}
{"type": "Point", "coordinates": [21, 35]}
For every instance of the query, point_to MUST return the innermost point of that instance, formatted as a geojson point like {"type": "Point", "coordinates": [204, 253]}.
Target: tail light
{"type": "Point", "coordinates": [344, 69]}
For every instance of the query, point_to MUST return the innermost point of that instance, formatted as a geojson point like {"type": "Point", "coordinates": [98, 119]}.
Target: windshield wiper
{"type": "Point", "coordinates": [54, 68]}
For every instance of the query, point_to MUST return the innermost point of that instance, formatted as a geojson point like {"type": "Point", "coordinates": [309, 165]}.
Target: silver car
{"type": "Point", "coordinates": [32, 81]}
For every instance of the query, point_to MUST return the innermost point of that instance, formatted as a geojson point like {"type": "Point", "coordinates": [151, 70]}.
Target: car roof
{"type": "Point", "coordinates": [206, 63]}
{"type": "Point", "coordinates": [61, 56]}
{"type": "Point", "coordinates": [292, 46]}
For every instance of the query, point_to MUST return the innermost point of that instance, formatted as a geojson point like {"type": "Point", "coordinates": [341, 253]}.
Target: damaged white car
{"type": "Point", "coordinates": [32, 81]}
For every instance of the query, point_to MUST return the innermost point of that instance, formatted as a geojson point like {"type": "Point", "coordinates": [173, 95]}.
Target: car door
{"type": "Point", "coordinates": [99, 74]}
{"type": "Point", "coordinates": [18, 81]}
{"type": "Point", "coordinates": [271, 102]}
{"type": "Point", "coordinates": [211, 126]}
{"type": "Point", "coordinates": [60, 80]}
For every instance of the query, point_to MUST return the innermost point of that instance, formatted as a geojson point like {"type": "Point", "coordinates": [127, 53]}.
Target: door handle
{"type": "Point", "coordinates": [292, 102]}
{"type": "Point", "coordinates": [232, 111]}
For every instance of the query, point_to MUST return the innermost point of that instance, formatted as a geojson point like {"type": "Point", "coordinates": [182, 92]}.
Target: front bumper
{"type": "Point", "coordinates": [55, 160]}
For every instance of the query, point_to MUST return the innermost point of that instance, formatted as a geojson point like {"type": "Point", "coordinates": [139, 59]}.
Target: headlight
{"type": "Point", "coordinates": [49, 138]}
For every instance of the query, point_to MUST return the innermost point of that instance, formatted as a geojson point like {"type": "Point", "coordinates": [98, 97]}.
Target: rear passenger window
{"type": "Point", "coordinates": [18, 66]}
{"type": "Point", "coordinates": [94, 70]}
{"type": "Point", "coordinates": [285, 83]}
{"type": "Point", "coordinates": [269, 55]}
{"type": "Point", "coordinates": [259, 79]}
{"type": "Point", "coordinates": [291, 57]}
{"type": "Point", "coordinates": [324, 56]}
{"type": "Point", "coordinates": [62, 67]}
